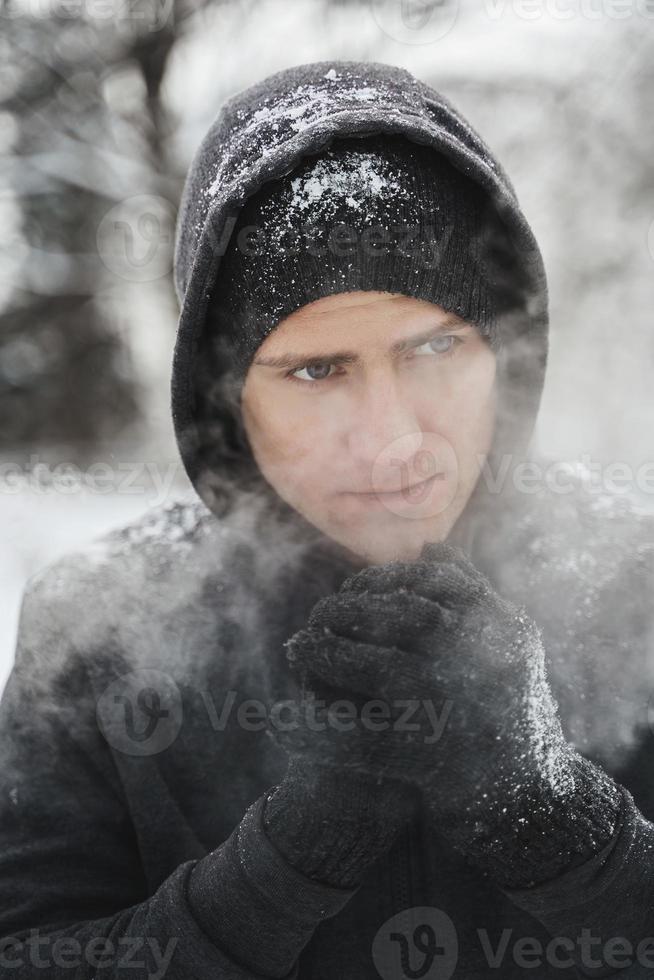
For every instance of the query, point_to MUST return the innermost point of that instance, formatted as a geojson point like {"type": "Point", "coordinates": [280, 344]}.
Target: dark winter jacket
{"type": "Point", "coordinates": [132, 727]}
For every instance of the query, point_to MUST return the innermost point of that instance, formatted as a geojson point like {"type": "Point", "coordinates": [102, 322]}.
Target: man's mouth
{"type": "Point", "coordinates": [413, 492]}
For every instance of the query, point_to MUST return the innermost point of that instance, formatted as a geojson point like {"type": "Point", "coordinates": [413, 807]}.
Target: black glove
{"type": "Point", "coordinates": [331, 817]}
{"type": "Point", "coordinates": [503, 784]}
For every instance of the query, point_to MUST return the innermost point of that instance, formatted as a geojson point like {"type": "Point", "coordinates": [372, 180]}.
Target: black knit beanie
{"type": "Point", "coordinates": [374, 213]}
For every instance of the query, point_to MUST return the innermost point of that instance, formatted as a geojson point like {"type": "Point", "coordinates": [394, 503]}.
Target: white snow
{"type": "Point", "coordinates": [304, 106]}
{"type": "Point", "coordinates": [328, 179]}
{"type": "Point", "coordinates": [41, 527]}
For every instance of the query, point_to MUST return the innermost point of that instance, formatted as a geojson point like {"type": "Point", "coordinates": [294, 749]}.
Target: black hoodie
{"type": "Point", "coordinates": [263, 133]}
{"type": "Point", "coordinates": [132, 725]}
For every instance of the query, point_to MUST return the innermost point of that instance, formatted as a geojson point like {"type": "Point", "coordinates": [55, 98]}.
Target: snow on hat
{"type": "Point", "coordinates": [376, 213]}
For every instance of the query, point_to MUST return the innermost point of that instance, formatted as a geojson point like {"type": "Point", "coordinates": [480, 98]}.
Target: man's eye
{"type": "Point", "coordinates": [317, 372]}
{"type": "Point", "coordinates": [444, 344]}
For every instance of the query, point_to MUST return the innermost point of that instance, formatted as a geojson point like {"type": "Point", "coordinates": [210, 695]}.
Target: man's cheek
{"type": "Point", "coordinates": [304, 475]}
{"type": "Point", "coordinates": [288, 445]}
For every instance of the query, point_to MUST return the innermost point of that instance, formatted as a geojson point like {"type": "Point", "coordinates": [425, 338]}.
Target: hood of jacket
{"type": "Point", "coordinates": [263, 133]}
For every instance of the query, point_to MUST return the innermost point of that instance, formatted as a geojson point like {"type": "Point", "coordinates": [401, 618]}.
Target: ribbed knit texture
{"type": "Point", "coordinates": [413, 224]}
{"type": "Point", "coordinates": [332, 825]}
{"type": "Point", "coordinates": [526, 835]}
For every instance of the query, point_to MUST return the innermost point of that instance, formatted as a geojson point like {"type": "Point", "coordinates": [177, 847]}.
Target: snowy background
{"type": "Point", "coordinates": [101, 108]}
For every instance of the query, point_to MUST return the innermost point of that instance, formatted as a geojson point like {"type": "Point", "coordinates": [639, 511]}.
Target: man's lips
{"type": "Point", "coordinates": [413, 490]}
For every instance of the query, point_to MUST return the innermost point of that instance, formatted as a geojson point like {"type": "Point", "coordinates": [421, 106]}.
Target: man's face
{"type": "Point", "coordinates": [371, 413]}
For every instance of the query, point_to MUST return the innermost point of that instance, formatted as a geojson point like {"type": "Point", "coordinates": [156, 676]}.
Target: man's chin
{"type": "Point", "coordinates": [389, 544]}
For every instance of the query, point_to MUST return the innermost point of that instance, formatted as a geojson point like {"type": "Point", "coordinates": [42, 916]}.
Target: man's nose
{"type": "Point", "coordinates": [384, 430]}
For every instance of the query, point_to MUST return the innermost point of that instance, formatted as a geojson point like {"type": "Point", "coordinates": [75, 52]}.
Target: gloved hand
{"type": "Point", "coordinates": [503, 784]}
{"type": "Point", "coordinates": [331, 816]}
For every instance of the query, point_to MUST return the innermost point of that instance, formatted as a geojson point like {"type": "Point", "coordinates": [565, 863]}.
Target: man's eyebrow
{"type": "Point", "coordinates": [291, 359]}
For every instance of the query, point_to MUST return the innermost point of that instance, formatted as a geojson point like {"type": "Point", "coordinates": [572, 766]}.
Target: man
{"type": "Point", "coordinates": [362, 341]}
